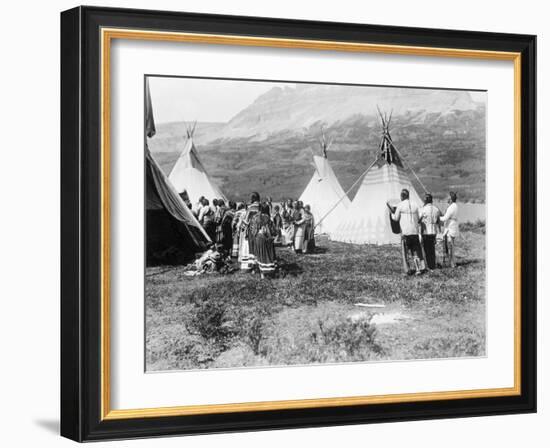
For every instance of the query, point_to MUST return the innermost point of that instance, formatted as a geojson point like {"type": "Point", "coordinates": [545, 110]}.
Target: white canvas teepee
{"type": "Point", "coordinates": [173, 234]}
{"type": "Point", "coordinates": [190, 175]}
{"type": "Point", "coordinates": [324, 194]}
{"type": "Point", "coordinates": [367, 219]}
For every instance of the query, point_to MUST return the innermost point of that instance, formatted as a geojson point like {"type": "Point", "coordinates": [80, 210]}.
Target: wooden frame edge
{"type": "Point", "coordinates": [306, 403]}
{"type": "Point", "coordinates": [107, 34]}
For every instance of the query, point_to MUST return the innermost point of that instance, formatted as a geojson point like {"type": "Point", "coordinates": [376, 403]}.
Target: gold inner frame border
{"type": "Point", "coordinates": [107, 35]}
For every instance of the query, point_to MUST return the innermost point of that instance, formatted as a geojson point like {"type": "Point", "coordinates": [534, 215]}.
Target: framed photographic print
{"type": "Point", "coordinates": [275, 224]}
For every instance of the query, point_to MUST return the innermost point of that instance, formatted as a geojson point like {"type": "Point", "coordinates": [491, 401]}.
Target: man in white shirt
{"type": "Point", "coordinates": [406, 213]}
{"type": "Point", "coordinates": [429, 223]}
{"type": "Point", "coordinates": [450, 219]}
{"type": "Point", "coordinates": [197, 207]}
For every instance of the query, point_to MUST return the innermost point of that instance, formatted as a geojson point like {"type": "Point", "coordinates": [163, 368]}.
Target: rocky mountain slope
{"type": "Point", "coordinates": [299, 108]}
{"type": "Point", "coordinates": [268, 145]}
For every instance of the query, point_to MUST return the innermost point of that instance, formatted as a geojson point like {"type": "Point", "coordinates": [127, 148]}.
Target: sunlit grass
{"type": "Point", "coordinates": [308, 314]}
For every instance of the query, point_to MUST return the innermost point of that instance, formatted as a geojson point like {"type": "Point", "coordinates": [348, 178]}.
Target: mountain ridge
{"type": "Point", "coordinates": [268, 145]}
{"type": "Point", "coordinates": [283, 109]}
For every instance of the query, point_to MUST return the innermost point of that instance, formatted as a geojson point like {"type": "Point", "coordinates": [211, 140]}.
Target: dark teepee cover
{"type": "Point", "coordinates": [173, 233]}
{"type": "Point", "coordinates": [387, 154]}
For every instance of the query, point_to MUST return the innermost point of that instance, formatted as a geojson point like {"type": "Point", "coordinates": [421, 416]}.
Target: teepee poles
{"type": "Point", "coordinates": [411, 170]}
{"type": "Point", "coordinates": [324, 143]}
{"type": "Point", "coordinates": [386, 120]}
{"type": "Point", "coordinates": [385, 129]}
{"type": "Point", "coordinates": [190, 129]}
{"type": "Point", "coordinates": [346, 193]}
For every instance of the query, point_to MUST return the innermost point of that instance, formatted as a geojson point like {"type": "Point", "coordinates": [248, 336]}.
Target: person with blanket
{"type": "Point", "coordinates": [263, 232]}
{"type": "Point", "coordinates": [247, 254]}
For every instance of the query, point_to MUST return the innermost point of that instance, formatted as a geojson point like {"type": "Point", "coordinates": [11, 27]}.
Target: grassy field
{"type": "Point", "coordinates": [314, 312]}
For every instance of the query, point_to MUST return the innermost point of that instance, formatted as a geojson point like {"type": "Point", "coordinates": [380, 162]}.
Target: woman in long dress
{"type": "Point", "coordinates": [263, 231]}
{"type": "Point", "coordinates": [206, 219]}
{"type": "Point", "coordinates": [227, 229]}
{"type": "Point", "coordinates": [278, 224]}
{"type": "Point", "coordinates": [299, 227]}
{"type": "Point", "coordinates": [236, 227]}
{"type": "Point", "coordinates": [244, 255]}
{"type": "Point", "coordinates": [286, 215]}
{"type": "Point", "coordinates": [309, 230]}
{"type": "Point", "coordinates": [219, 213]}
{"type": "Point", "coordinates": [246, 244]}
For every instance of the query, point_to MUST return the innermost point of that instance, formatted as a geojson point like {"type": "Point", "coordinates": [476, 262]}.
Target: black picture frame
{"type": "Point", "coordinates": [81, 224]}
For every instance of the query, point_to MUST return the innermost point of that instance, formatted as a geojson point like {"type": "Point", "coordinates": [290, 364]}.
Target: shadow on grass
{"type": "Point", "coordinates": [293, 269]}
{"type": "Point", "coordinates": [470, 262]}
{"type": "Point", "coordinates": [161, 271]}
{"type": "Point", "coordinates": [319, 250]}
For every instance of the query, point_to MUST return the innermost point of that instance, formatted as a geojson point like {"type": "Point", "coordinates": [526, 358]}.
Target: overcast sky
{"type": "Point", "coordinates": [188, 99]}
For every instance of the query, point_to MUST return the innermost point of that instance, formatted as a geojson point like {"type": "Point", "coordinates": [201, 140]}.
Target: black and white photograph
{"type": "Point", "coordinates": [305, 223]}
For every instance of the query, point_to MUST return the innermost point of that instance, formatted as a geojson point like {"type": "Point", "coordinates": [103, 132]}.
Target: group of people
{"type": "Point", "coordinates": [296, 226]}
{"type": "Point", "coordinates": [422, 228]}
{"type": "Point", "coordinates": [250, 232]}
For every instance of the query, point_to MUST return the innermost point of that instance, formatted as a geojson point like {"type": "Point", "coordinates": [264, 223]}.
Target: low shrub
{"type": "Point", "coordinates": [253, 334]}
{"type": "Point", "coordinates": [212, 321]}
{"type": "Point", "coordinates": [320, 335]}
{"type": "Point", "coordinates": [464, 342]}
{"type": "Point", "coordinates": [476, 227]}
{"type": "Point", "coordinates": [347, 336]}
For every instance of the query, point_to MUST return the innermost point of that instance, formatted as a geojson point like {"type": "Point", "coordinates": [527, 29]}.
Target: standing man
{"type": "Point", "coordinates": [450, 219]}
{"type": "Point", "coordinates": [197, 207]}
{"type": "Point", "coordinates": [429, 223]}
{"type": "Point", "coordinates": [185, 198]}
{"type": "Point", "coordinates": [269, 202]}
{"type": "Point", "coordinates": [406, 213]}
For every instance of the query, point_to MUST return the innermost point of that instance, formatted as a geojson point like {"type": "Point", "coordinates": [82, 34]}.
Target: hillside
{"type": "Point", "coordinates": [268, 145]}
{"type": "Point", "coordinates": [302, 107]}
